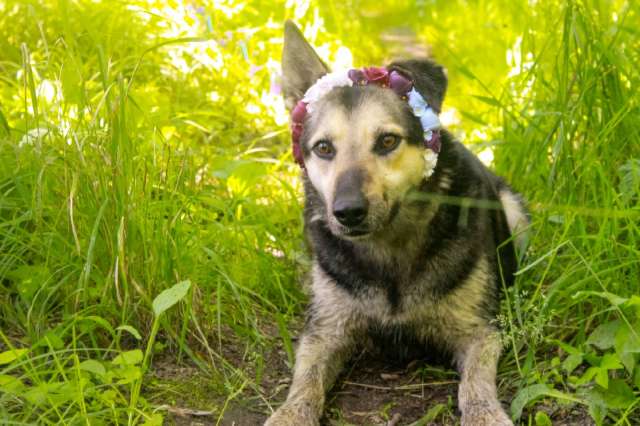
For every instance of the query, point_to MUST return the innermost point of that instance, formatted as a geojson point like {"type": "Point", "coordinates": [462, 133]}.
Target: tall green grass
{"type": "Point", "coordinates": [141, 146]}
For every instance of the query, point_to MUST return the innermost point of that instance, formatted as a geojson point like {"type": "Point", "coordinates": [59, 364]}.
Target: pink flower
{"type": "Point", "coordinates": [399, 83]}
{"type": "Point", "coordinates": [297, 154]}
{"type": "Point", "coordinates": [377, 75]}
{"type": "Point", "coordinates": [299, 112]}
{"type": "Point", "coordinates": [296, 131]}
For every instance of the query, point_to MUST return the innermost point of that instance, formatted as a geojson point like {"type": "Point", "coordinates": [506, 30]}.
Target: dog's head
{"type": "Point", "coordinates": [362, 145]}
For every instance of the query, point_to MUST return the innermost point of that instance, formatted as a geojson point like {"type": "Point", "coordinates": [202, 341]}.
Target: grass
{"type": "Point", "coordinates": [143, 144]}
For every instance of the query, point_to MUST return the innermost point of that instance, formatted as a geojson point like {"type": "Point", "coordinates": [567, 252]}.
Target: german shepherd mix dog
{"type": "Point", "coordinates": [403, 247]}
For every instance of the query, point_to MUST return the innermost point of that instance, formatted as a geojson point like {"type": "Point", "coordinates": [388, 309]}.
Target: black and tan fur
{"type": "Point", "coordinates": [428, 261]}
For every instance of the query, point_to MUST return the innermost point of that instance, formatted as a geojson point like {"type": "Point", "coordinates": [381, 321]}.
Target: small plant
{"type": "Point", "coordinates": [603, 373]}
{"type": "Point", "coordinates": [51, 383]}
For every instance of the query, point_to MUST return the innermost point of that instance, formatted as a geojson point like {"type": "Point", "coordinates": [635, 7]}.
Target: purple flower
{"type": "Point", "coordinates": [357, 76]}
{"type": "Point", "coordinates": [434, 143]}
{"type": "Point", "coordinates": [399, 83]}
{"type": "Point", "coordinates": [253, 69]}
{"type": "Point", "coordinates": [275, 88]}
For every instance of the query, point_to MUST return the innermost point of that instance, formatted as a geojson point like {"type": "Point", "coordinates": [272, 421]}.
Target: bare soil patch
{"type": "Point", "coordinates": [371, 391]}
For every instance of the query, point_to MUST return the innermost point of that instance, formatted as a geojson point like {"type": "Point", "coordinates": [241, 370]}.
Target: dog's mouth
{"type": "Point", "coordinates": [355, 233]}
{"type": "Point", "coordinates": [368, 227]}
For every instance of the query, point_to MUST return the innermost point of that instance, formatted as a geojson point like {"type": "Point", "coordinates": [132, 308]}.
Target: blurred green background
{"type": "Point", "coordinates": [145, 143]}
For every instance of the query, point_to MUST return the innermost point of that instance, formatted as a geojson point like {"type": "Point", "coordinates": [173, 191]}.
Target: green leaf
{"type": "Point", "coordinates": [571, 362]}
{"type": "Point", "coordinates": [597, 411]}
{"type": "Point", "coordinates": [602, 377]}
{"type": "Point", "coordinates": [603, 337]}
{"type": "Point", "coordinates": [628, 339]}
{"type": "Point", "coordinates": [10, 356]}
{"type": "Point", "coordinates": [542, 419]}
{"type": "Point", "coordinates": [618, 395]}
{"type": "Point", "coordinates": [93, 366]}
{"type": "Point", "coordinates": [430, 416]}
{"type": "Point", "coordinates": [170, 297]}
{"type": "Point", "coordinates": [129, 329]}
{"type": "Point", "coordinates": [525, 396]}
{"type": "Point", "coordinates": [633, 301]}
{"type": "Point", "coordinates": [473, 117]}
{"type": "Point", "coordinates": [29, 279]}
{"type": "Point", "coordinates": [627, 343]}
{"type": "Point", "coordinates": [50, 339]}
{"type": "Point", "coordinates": [530, 393]}
{"type": "Point", "coordinates": [10, 384]}
{"type": "Point", "coordinates": [489, 101]}
{"type": "Point", "coordinates": [629, 173]}
{"type": "Point", "coordinates": [593, 397]}
{"type": "Point", "coordinates": [610, 361]}
{"type": "Point", "coordinates": [129, 358]}
{"type": "Point", "coordinates": [587, 376]}
{"type": "Point", "coordinates": [629, 361]}
{"type": "Point", "coordinates": [614, 299]}
{"type": "Point", "coordinates": [90, 321]}
{"type": "Point", "coordinates": [128, 374]}
{"type": "Point", "coordinates": [156, 419]}
{"type": "Point", "coordinates": [44, 393]}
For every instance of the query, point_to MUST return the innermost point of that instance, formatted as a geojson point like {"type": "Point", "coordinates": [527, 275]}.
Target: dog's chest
{"type": "Point", "coordinates": [397, 303]}
{"type": "Point", "coordinates": [433, 317]}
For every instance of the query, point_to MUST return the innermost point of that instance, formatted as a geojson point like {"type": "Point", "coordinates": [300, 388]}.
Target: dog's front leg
{"type": "Point", "coordinates": [325, 344]}
{"type": "Point", "coordinates": [477, 394]}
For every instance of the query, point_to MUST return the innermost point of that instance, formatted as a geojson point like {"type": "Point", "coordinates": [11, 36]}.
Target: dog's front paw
{"type": "Point", "coordinates": [294, 414]}
{"type": "Point", "coordinates": [481, 413]}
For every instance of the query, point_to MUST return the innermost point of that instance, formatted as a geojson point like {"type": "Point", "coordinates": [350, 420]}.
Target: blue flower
{"type": "Point", "coordinates": [417, 103]}
{"type": "Point", "coordinates": [429, 119]}
{"type": "Point", "coordinates": [422, 110]}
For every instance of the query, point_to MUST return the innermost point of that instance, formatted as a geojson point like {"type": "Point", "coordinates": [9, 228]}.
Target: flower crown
{"type": "Point", "coordinates": [378, 76]}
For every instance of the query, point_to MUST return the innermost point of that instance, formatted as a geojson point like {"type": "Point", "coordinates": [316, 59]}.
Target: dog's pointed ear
{"type": "Point", "coordinates": [301, 65]}
{"type": "Point", "coordinates": [429, 79]}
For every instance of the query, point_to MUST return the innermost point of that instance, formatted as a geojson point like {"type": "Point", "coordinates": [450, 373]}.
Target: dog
{"type": "Point", "coordinates": [403, 246]}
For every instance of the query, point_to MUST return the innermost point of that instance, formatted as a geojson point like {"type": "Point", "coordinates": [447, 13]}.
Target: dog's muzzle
{"type": "Point", "coordinates": [350, 206]}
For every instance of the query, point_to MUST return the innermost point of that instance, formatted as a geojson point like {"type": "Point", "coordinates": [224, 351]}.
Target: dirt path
{"type": "Point", "coordinates": [369, 392]}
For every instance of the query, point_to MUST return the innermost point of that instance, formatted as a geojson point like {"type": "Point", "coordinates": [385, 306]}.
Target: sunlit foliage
{"type": "Point", "coordinates": [144, 143]}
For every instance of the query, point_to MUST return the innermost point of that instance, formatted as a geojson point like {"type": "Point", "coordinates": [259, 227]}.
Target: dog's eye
{"type": "Point", "coordinates": [387, 143]}
{"type": "Point", "coordinates": [324, 149]}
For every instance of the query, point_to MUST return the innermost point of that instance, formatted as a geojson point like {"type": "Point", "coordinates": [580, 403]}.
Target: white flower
{"type": "Point", "coordinates": [430, 161]}
{"type": "Point", "coordinates": [324, 85]}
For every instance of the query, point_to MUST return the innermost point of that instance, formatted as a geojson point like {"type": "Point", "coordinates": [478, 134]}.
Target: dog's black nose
{"type": "Point", "coordinates": [350, 211]}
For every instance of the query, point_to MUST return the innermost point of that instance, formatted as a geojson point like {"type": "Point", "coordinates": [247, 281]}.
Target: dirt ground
{"type": "Point", "coordinates": [369, 392]}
